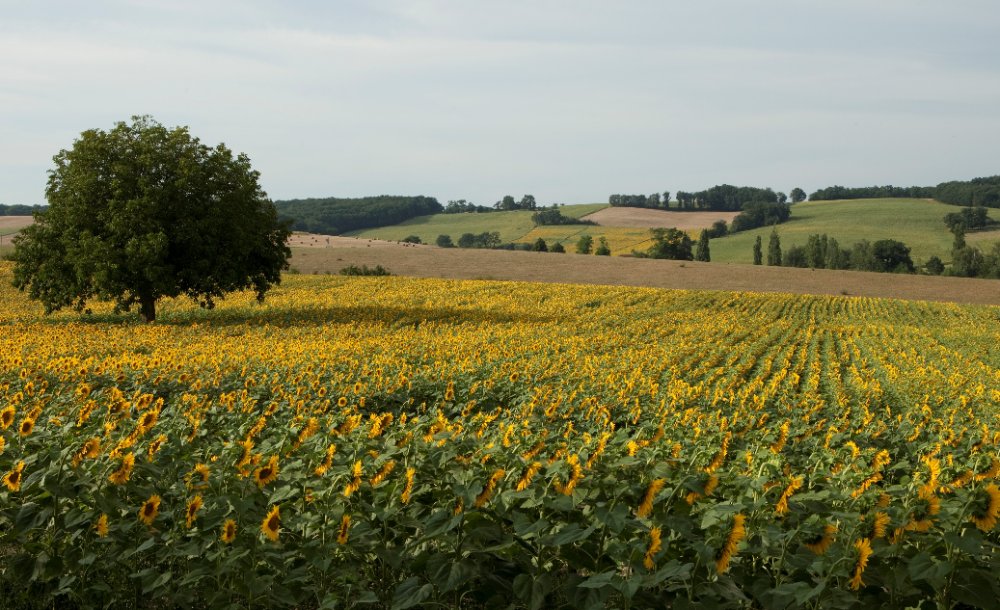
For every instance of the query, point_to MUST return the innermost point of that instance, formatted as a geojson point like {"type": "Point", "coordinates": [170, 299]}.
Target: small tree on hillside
{"type": "Point", "coordinates": [557, 248]}
{"type": "Point", "coordinates": [602, 247]}
{"type": "Point", "coordinates": [670, 243]}
{"type": "Point", "coordinates": [702, 251]}
{"type": "Point", "coordinates": [444, 241]}
{"type": "Point", "coordinates": [797, 195]}
{"type": "Point", "coordinates": [539, 246]}
{"type": "Point", "coordinates": [140, 213]}
{"type": "Point", "coordinates": [774, 249]}
{"type": "Point", "coordinates": [758, 255]}
{"type": "Point", "coordinates": [585, 244]}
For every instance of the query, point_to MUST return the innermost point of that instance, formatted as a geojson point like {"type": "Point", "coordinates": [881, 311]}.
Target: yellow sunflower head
{"type": "Point", "coordinates": [271, 524]}
{"type": "Point", "coordinates": [149, 509]}
{"type": "Point", "coordinates": [228, 531]}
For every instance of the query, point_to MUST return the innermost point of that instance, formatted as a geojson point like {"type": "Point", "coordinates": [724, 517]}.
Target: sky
{"type": "Point", "coordinates": [569, 100]}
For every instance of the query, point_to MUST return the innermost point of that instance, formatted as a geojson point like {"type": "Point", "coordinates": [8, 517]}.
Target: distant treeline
{"type": "Point", "coordinates": [553, 216]}
{"type": "Point", "coordinates": [333, 215]}
{"type": "Point", "coordinates": [20, 210]}
{"type": "Point", "coordinates": [722, 197]}
{"type": "Point", "coordinates": [978, 191]}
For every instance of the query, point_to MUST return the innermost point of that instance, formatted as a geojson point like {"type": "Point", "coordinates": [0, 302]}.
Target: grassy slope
{"type": "Point", "coordinates": [916, 222]}
{"type": "Point", "coordinates": [511, 225]}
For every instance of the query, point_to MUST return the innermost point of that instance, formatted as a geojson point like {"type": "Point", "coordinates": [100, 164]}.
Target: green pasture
{"type": "Point", "coordinates": [916, 222]}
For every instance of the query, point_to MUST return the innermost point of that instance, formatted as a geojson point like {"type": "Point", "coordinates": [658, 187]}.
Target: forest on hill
{"type": "Point", "coordinates": [335, 215]}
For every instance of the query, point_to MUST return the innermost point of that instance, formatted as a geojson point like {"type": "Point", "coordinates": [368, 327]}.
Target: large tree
{"type": "Point", "coordinates": [142, 212]}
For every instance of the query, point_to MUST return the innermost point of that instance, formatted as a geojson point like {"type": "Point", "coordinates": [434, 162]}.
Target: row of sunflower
{"type": "Point", "coordinates": [398, 443]}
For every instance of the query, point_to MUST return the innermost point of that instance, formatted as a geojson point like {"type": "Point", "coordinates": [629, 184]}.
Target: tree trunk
{"type": "Point", "coordinates": [147, 306]}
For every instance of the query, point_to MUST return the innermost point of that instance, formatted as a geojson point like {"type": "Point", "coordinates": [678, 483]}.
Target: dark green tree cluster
{"type": "Point", "coordinates": [508, 203]}
{"type": "Point", "coordinates": [872, 192]}
{"type": "Point", "coordinates": [602, 247]}
{"type": "Point", "coordinates": [459, 206]}
{"type": "Point", "coordinates": [702, 252]}
{"type": "Point", "coordinates": [720, 228]}
{"type": "Point", "coordinates": [332, 215]}
{"type": "Point", "coordinates": [730, 198]}
{"type": "Point", "coordinates": [798, 195]}
{"type": "Point", "coordinates": [760, 214]}
{"type": "Point", "coordinates": [978, 191]}
{"type": "Point", "coordinates": [142, 212]}
{"type": "Point", "coordinates": [487, 239]}
{"type": "Point", "coordinates": [669, 243]}
{"type": "Point", "coordinates": [554, 216]}
{"type": "Point", "coordinates": [824, 252]}
{"type": "Point", "coordinates": [653, 201]}
{"type": "Point", "coordinates": [20, 210]}
{"type": "Point", "coordinates": [968, 219]}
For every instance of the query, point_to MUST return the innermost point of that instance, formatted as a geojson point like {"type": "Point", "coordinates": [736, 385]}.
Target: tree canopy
{"type": "Point", "coordinates": [142, 212]}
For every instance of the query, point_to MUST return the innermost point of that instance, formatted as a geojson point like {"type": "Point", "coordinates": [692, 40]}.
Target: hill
{"type": "Point", "coordinates": [512, 225]}
{"type": "Point", "coordinates": [916, 222]}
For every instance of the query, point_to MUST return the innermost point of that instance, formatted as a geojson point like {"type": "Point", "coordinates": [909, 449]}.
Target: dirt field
{"type": "Point", "coordinates": [431, 261]}
{"type": "Point", "coordinates": [645, 219]}
{"type": "Point", "coordinates": [9, 224]}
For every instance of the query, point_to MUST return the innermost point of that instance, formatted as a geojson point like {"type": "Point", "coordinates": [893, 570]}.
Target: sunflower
{"type": "Point", "coordinates": [155, 445]}
{"type": "Point", "coordinates": [272, 524]}
{"type": "Point", "coordinates": [355, 483]}
{"type": "Point", "coordinates": [864, 547]}
{"type": "Point", "coordinates": [529, 473]}
{"type": "Point", "coordinates": [193, 505]}
{"type": "Point", "coordinates": [345, 528]}
{"type": "Point", "coordinates": [408, 488]}
{"type": "Point", "coordinates": [150, 508]}
{"type": "Point", "coordinates": [148, 420]}
{"type": "Point", "coordinates": [646, 506]}
{"type": "Point", "coordinates": [383, 473]}
{"type": "Point", "coordinates": [654, 546]}
{"type": "Point", "coordinates": [737, 533]}
{"type": "Point", "coordinates": [13, 478]}
{"type": "Point", "coordinates": [821, 544]}
{"type": "Point", "coordinates": [489, 488]}
{"type": "Point", "coordinates": [102, 525]}
{"type": "Point", "coordinates": [7, 417]}
{"type": "Point", "coordinates": [228, 531]}
{"type": "Point", "coordinates": [342, 401]}
{"type": "Point", "coordinates": [987, 519]}
{"type": "Point", "coordinates": [27, 425]}
{"type": "Point", "coordinates": [3, 444]}
{"type": "Point", "coordinates": [198, 478]}
{"type": "Point", "coordinates": [124, 471]}
{"type": "Point", "coordinates": [327, 461]}
{"type": "Point", "coordinates": [267, 473]}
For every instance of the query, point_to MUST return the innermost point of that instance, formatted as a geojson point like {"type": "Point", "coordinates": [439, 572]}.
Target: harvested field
{"type": "Point", "coordinates": [455, 263]}
{"type": "Point", "coordinates": [12, 224]}
{"type": "Point", "coordinates": [646, 219]}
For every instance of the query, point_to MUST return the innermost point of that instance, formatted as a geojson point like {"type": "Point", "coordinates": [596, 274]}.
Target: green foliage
{"type": "Point", "coordinates": [602, 247]}
{"type": "Point", "coordinates": [557, 248]}
{"type": "Point", "coordinates": [798, 195]}
{"type": "Point", "coordinates": [377, 270]}
{"type": "Point", "coordinates": [702, 252]}
{"type": "Point", "coordinates": [487, 239]}
{"type": "Point", "coordinates": [539, 246]}
{"type": "Point", "coordinates": [774, 249]}
{"type": "Point", "coordinates": [461, 206]}
{"type": "Point", "coordinates": [20, 210]}
{"type": "Point", "coordinates": [760, 214]}
{"type": "Point", "coordinates": [892, 256]}
{"type": "Point", "coordinates": [975, 192]}
{"type": "Point", "coordinates": [444, 241]}
{"type": "Point", "coordinates": [934, 266]}
{"type": "Point", "coordinates": [140, 213]}
{"type": "Point", "coordinates": [333, 215]}
{"type": "Point", "coordinates": [553, 216]}
{"type": "Point", "coordinates": [971, 218]}
{"type": "Point", "coordinates": [758, 255]}
{"type": "Point", "coordinates": [412, 239]}
{"type": "Point", "coordinates": [670, 244]}
{"type": "Point", "coordinates": [585, 244]}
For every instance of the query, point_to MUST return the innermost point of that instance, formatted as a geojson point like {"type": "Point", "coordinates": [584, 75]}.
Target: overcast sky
{"type": "Point", "coordinates": [569, 100]}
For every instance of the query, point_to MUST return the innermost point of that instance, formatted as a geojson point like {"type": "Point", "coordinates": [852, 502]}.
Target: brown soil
{"type": "Point", "coordinates": [431, 261]}
{"type": "Point", "coordinates": [642, 218]}
{"type": "Point", "coordinates": [15, 222]}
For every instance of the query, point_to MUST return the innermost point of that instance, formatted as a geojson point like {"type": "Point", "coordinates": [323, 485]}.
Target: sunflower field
{"type": "Point", "coordinates": [394, 443]}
